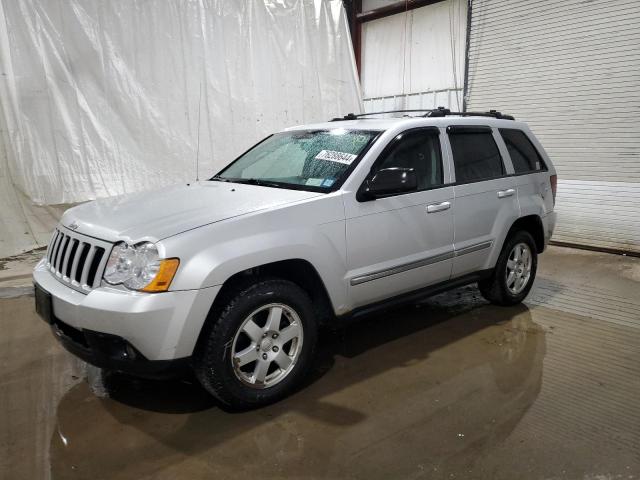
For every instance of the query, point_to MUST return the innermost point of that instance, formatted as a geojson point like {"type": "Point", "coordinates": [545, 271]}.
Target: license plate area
{"type": "Point", "coordinates": [44, 304]}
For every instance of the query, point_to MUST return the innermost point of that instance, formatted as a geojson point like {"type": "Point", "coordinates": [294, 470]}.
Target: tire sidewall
{"type": "Point", "coordinates": [501, 267]}
{"type": "Point", "coordinates": [215, 369]}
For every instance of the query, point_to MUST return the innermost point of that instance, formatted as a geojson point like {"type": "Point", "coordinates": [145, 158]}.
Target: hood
{"type": "Point", "coordinates": [159, 214]}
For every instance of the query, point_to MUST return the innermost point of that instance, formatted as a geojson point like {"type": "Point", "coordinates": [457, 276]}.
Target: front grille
{"type": "Point", "coordinates": [77, 260]}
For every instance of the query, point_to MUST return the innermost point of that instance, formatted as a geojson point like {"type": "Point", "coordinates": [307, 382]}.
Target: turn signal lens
{"type": "Point", "coordinates": [166, 271]}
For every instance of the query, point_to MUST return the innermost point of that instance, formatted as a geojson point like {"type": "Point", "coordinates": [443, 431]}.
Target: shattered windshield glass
{"type": "Point", "coordinates": [302, 159]}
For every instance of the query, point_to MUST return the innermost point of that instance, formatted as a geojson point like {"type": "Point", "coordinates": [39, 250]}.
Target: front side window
{"type": "Point", "coordinates": [302, 159]}
{"type": "Point", "coordinates": [475, 154]}
{"type": "Point", "coordinates": [524, 156]}
{"type": "Point", "coordinates": [419, 150]}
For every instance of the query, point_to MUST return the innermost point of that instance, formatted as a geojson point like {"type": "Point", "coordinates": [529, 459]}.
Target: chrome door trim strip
{"type": "Point", "coordinates": [473, 248]}
{"type": "Point", "coordinates": [368, 277]}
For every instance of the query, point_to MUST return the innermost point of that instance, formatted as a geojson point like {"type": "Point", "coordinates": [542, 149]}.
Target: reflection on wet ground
{"type": "Point", "coordinates": [451, 388]}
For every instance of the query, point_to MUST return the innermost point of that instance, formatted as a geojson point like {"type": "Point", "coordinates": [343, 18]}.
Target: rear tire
{"type": "Point", "coordinates": [515, 271]}
{"type": "Point", "coordinates": [260, 347]}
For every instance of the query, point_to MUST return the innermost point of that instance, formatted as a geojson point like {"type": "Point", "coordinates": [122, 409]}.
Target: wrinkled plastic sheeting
{"type": "Point", "coordinates": [102, 98]}
{"type": "Point", "coordinates": [415, 59]}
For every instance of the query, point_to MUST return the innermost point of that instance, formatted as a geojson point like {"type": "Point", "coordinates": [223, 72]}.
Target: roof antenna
{"type": "Point", "coordinates": [198, 141]}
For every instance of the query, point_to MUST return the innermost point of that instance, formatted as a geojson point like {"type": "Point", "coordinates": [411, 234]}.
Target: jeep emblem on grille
{"type": "Point", "coordinates": [74, 226]}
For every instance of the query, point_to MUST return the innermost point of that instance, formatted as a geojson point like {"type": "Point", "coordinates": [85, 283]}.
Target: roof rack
{"type": "Point", "coordinates": [443, 112]}
{"type": "Point", "coordinates": [436, 112]}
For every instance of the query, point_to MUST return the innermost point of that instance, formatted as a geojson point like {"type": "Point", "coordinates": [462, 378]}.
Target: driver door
{"type": "Point", "coordinates": [402, 242]}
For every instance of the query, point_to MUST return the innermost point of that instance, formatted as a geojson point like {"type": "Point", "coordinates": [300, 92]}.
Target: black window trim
{"type": "Point", "coordinates": [535, 149]}
{"type": "Point", "coordinates": [457, 129]}
{"type": "Point", "coordinates": [385, 151]}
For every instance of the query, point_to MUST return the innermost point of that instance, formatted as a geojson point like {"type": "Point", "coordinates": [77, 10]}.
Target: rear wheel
{"type": "Point", "coordinates": [514, 273]}
{"type": "Point", "coordinates": [261, 345]}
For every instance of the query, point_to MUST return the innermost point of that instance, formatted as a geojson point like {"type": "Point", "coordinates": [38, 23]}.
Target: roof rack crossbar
{"type": "Point", "coordinates": [443, 112]}
{"type": "Point", "coordinates": [355, 116]}
{"type": "Point", "coordinates": [430, 112]}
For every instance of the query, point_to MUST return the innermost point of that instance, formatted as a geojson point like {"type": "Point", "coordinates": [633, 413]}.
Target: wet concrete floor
{"type": "Point", "coordinates": [451, 388]}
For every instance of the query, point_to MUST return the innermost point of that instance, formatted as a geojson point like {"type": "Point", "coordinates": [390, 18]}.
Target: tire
{"type": "Point", "coordinates": [499, 288]}
{"type": "Point", "coordinates": [248, 329]}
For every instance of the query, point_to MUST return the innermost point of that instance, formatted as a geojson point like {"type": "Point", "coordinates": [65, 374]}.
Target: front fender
{"type": "Point", "coordinates": [236, 250]}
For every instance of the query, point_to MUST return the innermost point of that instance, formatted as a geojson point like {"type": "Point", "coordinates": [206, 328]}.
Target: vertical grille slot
{"type": "Point", "coordinates": [77, 260]}
{"type": "Point", "coordinates": [93, 269]}
{"type": "Point", "coordinates": [61, 250]}
{"type": "Point", "coordinates": [55, 248]}
{"type": "Point", "coordinates": [81, 256]}
{"type": "Point", "coordinates": [85, 271]}
{"type": "Point", "coordinates": [52, 245]}
{"type": "Point", "coordinates": [68, 263]}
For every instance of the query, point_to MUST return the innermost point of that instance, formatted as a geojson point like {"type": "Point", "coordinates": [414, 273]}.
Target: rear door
{"type": "Point", "coordinates": [486, 201]}
{"type": "Point", "coordinates": [402, 242]}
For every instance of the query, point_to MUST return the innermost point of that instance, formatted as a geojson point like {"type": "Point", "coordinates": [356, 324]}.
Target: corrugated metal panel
{"type": "Point", "coordinates": [571, 69]}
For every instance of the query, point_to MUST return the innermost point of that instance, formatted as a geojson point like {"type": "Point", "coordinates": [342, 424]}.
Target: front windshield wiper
{"type": "Point", "coordinates": [251, 181]}
{"type": "Point", "coordinates": [218, 178]}
{"type": "Point", "coordinates": [261, 183]}
{"type": "Point", "coordinates": [269, 183]}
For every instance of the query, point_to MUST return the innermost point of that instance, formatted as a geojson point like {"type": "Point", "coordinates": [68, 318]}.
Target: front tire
{"type": "Point", "coordinates": [515, 271]}
{"type": "Point", "coordinates": [261, 345]}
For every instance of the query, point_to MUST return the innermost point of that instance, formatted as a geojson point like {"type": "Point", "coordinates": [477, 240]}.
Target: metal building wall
{"type": "Point", "coordinates": [571, 69]}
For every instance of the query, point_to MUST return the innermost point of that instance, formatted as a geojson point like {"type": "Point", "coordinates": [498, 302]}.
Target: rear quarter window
{"type": "Point", "coordinates": [524, 156]}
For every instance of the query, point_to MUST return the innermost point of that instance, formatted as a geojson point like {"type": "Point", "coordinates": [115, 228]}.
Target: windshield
{"type": "Point", "coordinates": [303, 159]}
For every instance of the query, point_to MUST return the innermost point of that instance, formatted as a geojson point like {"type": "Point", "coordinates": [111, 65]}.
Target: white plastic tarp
{"type": "Point", "coordinates": [102, 98]}
{"type": "Point", "coordinates": [415, 59]}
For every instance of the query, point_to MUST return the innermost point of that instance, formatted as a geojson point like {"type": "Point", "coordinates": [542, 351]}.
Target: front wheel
{"type": "Point", "coordinates": [261, 345]}
{"type": "Point", "coordinates": [514, 273]}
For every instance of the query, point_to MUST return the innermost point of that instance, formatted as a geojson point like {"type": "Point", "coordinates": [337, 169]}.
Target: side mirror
{"type": "Point", "coordinates": [387, 182]}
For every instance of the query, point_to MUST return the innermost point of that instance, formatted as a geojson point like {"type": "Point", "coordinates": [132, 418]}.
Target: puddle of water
{"type": "Point", "coordinates": [452, 388]}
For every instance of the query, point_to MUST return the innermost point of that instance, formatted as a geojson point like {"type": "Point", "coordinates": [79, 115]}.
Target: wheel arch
{"type": "Point", "coordinates": [297, 270]}
{"type": "Point", "coordinates": [531, 224]}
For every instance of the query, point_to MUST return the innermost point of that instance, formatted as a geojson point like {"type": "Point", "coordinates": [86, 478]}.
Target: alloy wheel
{"type": "Point", "coordinates": [267, 345]}
{"type": "Point", "coordinates": [519, 268]}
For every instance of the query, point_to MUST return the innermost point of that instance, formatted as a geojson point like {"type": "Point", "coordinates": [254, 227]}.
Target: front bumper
{"type": "Point", "coordinates": [155, 326]}
{"type": "Point", "coordinates": [114, 353]}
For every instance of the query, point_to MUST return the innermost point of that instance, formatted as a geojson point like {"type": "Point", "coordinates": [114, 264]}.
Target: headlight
{"type": "Point", "coordinates": [139, 267]}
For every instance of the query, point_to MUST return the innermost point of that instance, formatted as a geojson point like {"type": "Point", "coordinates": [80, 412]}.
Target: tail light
{"type": "Point", "coordinates": [554, 186]}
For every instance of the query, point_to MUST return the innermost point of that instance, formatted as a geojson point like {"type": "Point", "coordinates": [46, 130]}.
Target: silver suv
{"type": "Point", "coordinates": [232, 276]}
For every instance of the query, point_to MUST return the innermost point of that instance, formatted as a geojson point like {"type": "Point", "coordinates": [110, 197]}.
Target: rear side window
{"type": "Point", "coordinates": [524, 156]}
{"type": "Point", "coordinates": [475, 154]}
{"type": "Point", "coordinates": [420, 150]}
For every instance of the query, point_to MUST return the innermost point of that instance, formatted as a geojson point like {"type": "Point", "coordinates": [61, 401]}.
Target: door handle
{"type": "Point", "coordinates": [506, 193]}
{"type": "Point", "coordinates": [438, 207]}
